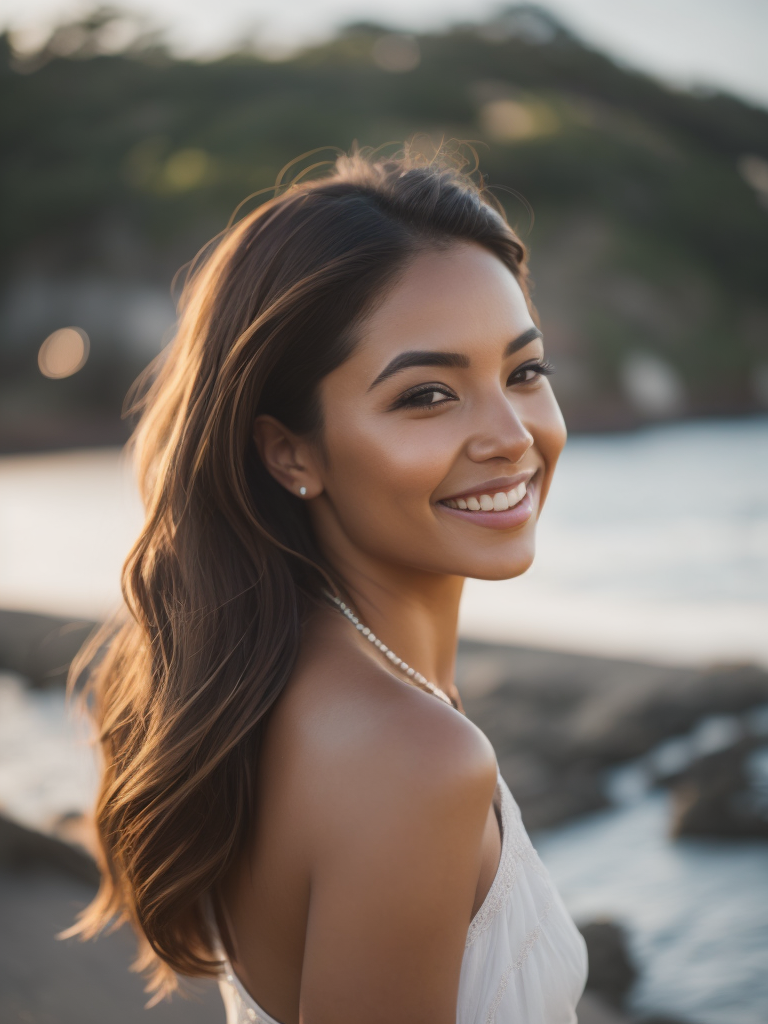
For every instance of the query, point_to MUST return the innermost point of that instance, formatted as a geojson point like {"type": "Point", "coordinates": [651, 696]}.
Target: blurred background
{"type": "Point", "coordinates": [624, 680]}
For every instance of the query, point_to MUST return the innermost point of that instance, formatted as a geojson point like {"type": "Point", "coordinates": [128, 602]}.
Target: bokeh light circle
{"type": "Point", "coordinates": [64, 352]}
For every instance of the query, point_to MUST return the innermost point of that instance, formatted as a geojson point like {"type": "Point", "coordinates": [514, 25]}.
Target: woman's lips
{"type": "Point", "coordinates": [501, 510]}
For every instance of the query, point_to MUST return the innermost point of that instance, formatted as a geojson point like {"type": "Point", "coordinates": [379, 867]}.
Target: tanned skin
{"type": "Point", "coordinates": [376, 838]}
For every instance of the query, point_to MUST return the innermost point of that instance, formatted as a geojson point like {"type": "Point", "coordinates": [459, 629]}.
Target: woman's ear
{"type": "Point", "coordinates": [288, 457]}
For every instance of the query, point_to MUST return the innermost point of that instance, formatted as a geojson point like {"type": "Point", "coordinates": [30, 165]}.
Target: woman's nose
{"type": "Point", "coordinates": [502, 434]}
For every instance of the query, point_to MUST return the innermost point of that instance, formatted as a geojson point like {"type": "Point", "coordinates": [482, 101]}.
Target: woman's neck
{"type": "Point", "coordinates": [414, 613]}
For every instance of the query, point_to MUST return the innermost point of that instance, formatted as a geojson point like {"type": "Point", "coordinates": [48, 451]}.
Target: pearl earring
{"type": "Point", "coordinates": [302, 491]}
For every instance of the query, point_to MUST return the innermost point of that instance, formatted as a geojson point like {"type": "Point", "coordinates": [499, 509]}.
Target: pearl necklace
{"type": "Point", "coordinates": [407, 670]}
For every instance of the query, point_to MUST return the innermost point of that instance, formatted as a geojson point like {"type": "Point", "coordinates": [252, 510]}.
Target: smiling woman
{"type": "Point", "coordinates": [354, 417]}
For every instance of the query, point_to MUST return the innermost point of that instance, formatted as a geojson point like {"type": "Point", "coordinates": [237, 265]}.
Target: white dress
{"type": "Point", "coordinates": [524, 959]}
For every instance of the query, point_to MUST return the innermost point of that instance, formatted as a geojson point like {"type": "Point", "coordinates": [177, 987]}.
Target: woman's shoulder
{"type": "Point", "coordinates": [354, 731]}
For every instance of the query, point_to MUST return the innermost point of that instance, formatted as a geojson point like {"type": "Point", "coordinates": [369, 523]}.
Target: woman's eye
{"type": "Point", "coordinates": [530, 372]}
{"type": "Point", "coordinates": [424, 397]}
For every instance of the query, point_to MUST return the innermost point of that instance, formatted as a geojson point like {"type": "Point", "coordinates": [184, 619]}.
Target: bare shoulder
{"type": "Point", "coordinates": [356, 736]}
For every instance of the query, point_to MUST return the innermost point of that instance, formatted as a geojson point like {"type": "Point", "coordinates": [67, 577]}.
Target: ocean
{"type": "Point", "coordinates": [695, 910]}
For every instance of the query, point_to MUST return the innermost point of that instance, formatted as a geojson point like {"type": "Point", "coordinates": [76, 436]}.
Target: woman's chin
{"type": "Point", "coordinates": [500, 568]}
{"type": "Point", "coordinates": [509, 574]}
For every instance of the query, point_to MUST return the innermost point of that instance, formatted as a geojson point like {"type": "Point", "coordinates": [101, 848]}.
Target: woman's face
{"type": "Point", "coordinates": [441, 432]}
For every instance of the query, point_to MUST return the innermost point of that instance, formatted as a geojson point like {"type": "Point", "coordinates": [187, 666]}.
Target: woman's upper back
{"type": "Point", "coordinates": [375, 841]}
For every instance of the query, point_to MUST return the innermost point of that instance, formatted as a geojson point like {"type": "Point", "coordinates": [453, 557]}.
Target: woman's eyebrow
{"type": "Point", "coordinates": [525, 339]}
{"type": "Point", "coordinates": [406, 359]}
{"type": "Point", "coordinates": [452, 359]}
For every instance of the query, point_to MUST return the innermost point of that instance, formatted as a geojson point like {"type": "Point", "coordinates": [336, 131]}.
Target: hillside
{"type": "Point", "coordinates": [650, 206]}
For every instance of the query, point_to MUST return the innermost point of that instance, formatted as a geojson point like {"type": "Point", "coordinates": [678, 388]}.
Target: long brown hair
{"type": "Point", "coordinates": [220, 581]}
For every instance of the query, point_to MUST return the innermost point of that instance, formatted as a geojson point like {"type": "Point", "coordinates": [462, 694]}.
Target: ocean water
{"type": "Point", "coordinates": [696, 911]}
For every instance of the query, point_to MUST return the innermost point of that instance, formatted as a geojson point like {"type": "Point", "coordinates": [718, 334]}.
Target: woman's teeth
{"type": "Point", "coordinates": [498, 502]}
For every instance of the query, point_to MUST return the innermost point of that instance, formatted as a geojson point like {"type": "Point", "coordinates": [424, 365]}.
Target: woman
{"type": "Point", "coordinates": [354, 417]}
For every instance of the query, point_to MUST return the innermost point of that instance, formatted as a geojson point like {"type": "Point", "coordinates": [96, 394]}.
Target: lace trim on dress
{"type": "Point", "coordinates": [506, 873]}
{"type": "Point", "coordinates": [516, 849]}
{"type": "Point", "coordinates": [530, 941]}
{"type": "Point", "coordinates": [519, 840]}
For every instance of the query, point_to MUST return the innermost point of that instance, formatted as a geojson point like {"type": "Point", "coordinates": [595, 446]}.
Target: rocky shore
{"type": "Point", "coordinates": [558, 721]}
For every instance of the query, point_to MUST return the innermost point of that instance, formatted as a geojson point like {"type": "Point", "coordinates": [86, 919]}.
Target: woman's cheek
{"type": "Point", "coordinates": [409, 462]}
{"type": "Point", "coordinates": [545, 422]}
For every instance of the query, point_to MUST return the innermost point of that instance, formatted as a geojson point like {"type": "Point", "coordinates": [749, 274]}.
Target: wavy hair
{"type": "Point", "coordinates": [226, 567]}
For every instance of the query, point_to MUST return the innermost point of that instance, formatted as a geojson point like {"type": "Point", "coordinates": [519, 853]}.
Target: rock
{"type": "Point", "coordinates": [22, 847]}
{"type": "Point", "coordinates": [611, 971]}
{"type": "Point", "coordinates": [546, 793]}
{"type": "Point", "coordinates": [40, 647]}
{"type": "Point", "coordinates": [660, 1020]}
{"type": "Point", "coordinates": [642, 708]}
{"type": "Point", "coordinates": [716, 797]}
{"type": "Point", "coordinates": [592, 1009]}
{"type": "Point", "coordinates": [557, 720]}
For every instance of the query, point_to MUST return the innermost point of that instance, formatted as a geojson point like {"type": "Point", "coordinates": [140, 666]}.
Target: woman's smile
{"type": "Point", "coordinates": [500, 504]}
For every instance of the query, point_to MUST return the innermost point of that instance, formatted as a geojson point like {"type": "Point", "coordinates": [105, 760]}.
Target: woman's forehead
{"type": "Point", "coordinates": [458, 296]}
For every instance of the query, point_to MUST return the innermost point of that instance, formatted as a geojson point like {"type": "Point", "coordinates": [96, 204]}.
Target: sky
{"type": "Point", "coordinates": [718, 44]}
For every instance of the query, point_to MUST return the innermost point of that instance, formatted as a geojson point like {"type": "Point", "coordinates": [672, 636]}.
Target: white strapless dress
{"type": "Point", "coordinates": [524, 959]}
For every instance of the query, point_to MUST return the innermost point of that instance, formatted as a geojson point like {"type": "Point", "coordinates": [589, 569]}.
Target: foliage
{"type": "Point", "coordinates": [647, 233]}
